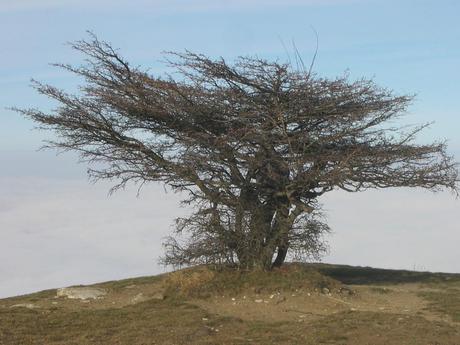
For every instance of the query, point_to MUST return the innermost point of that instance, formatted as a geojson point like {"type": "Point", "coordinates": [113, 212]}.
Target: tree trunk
{"type": "Point", "coordinates": [280, 256]}
{"type": "Point", "coordinates": [283, 228]}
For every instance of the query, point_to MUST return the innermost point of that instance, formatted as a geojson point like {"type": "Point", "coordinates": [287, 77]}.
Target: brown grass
{"type": "Point", "coordinates": [206, 306]}
{"type": "Point", "coordinates": [205, 282]}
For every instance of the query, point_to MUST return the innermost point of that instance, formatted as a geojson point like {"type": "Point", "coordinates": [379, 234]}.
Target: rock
{"type": "Point", "coordinates": [325, 291]}
{"type": "Point", "coordinates": [82, 293]}
{"type": "Point", "coordinates": [138, 298]}
{"type": "Point", "coordinates": [24, 305]}
{"type": "Point", "coordinates": [158, 295]}
{"type": "Point", "coordinates": [258, 300]}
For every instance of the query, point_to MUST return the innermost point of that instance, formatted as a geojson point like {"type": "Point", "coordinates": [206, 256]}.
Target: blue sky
{"type": "Point", "coordinates": [408, 46]}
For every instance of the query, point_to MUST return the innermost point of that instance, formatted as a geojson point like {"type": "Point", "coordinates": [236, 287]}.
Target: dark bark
{"type": "Point", "coordinates": [280, 256]}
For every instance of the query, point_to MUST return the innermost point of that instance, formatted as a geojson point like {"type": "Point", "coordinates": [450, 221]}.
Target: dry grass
{"type": "Point", "coordinates": [205, 282]}
{"type": "Point", "coordinates": [205, 306]}
{"type": "Point", "coordinates": [446, 301]}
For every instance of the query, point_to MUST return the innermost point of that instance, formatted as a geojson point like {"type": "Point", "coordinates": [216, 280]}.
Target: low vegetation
{"type": "Point", "coordinates": [298, 304]}
{"type": "Point", "coordinates": [206, 282]}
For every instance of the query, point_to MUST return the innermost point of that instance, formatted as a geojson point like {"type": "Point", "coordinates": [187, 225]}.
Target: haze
{"type": "Point", "coordinates": [56, 229]}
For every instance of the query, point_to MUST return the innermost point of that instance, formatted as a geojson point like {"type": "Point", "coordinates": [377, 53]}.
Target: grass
{"type": "Point", "coordinates": [130, 325]}
{"type": "Point", "coordinates": [444, 302]}
{"type": "Point", "coordinates": [195, 312]}
{"type": "Point", "coordinates": [380, 290]}
{"type": "Point", "coordinates": [119, 285]}
{"type": "Point", "coordinates": [203, 282]}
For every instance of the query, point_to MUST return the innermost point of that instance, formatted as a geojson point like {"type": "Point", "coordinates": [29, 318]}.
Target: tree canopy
{"type": "Point", "coordinates": [253, 143]}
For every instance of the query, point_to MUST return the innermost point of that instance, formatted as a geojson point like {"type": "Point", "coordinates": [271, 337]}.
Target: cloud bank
{"type": "Point", "coordinates": [57, 230]}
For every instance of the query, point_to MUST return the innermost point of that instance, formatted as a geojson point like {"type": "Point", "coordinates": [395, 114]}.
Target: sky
{"type": "Point", "coordinates": [57, 229]}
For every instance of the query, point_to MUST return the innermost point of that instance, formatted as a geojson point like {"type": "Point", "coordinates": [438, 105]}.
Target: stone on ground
{"type": "Point", "coordinates": [81, 293]}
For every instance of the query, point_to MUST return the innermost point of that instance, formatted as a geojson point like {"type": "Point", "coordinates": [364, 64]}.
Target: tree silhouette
{"type": "Point", "coordinates": [254, 143]}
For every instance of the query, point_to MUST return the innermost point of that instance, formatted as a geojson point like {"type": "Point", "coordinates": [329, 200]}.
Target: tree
{"type": "Point", "coordinates": [254, 143]}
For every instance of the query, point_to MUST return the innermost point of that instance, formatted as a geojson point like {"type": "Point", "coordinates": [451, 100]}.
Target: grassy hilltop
{"type": "Point", "coordinates": [298, 304]}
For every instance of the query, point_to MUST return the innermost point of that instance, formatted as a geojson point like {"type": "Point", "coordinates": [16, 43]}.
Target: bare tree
{"type": "Point", "coordinates": [254, 143]}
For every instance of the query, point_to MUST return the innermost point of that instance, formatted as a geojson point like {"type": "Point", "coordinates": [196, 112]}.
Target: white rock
{"type": "Point", "coordinates": [81, 293]}
{"type": "Point", "coordinates": [258, 300]}
{"type": "Point", "coordinates": [138, 298]}
{"type": "Point", "coordinates": [158, 295]}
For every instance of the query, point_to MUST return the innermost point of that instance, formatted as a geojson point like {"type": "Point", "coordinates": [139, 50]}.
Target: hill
{"type": "Point", "coordinates": [298, 304]}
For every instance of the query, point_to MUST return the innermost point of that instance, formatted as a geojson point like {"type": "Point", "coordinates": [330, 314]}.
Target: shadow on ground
{"type": "Point", "coordinates": [369, 276]}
